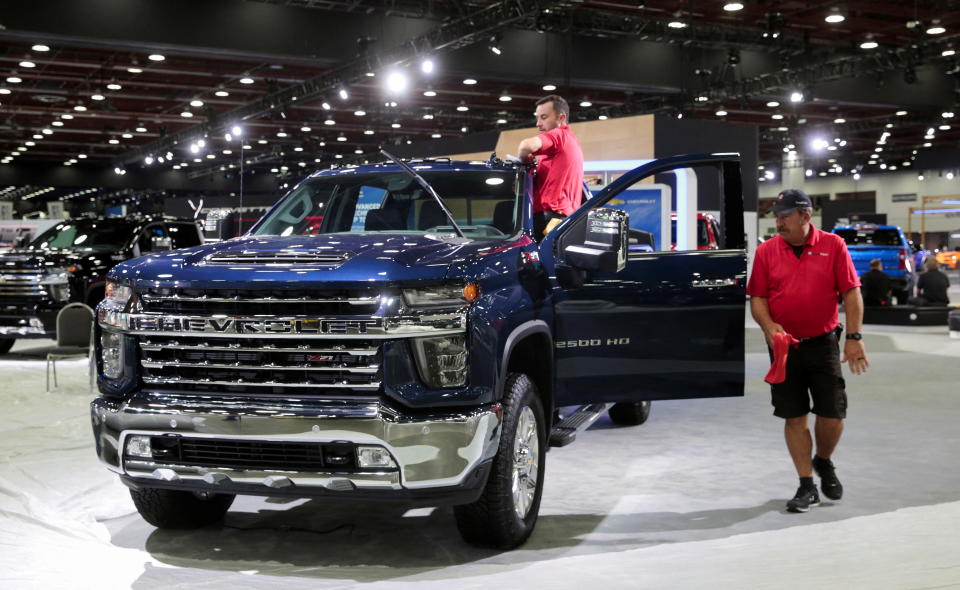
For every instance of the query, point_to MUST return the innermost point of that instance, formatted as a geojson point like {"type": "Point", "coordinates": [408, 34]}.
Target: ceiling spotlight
{"type": "Point", "coordinates": [396, 82]}
{"type": "Point", "coordinates": [395, 125]}
{"type": "Point", "coordinates": [677, 22]}
{"type": "Point", "coordinates": [98, 96]}
{"type": "Point", "coordinates": [839, 120]}
{"type": "Point", "coordinates": [325, 106]}
{"type": "Point", "coordinates": [549, 87]}
{"type": "Point", "coordinates": [127, 136]}
{"type": "Point", "coordinates": [426, 66]}
{"type": "Point", "coordinates": [40, 48]}
{"type": "Point", "coordinates": [936, 28]}
{"type": "Point", "coordinates": [148, 160]}
{"type": "Point", "coordinates": [796, 96]}
{"type": "Point", "coordinates": [246, 80]}
{"type": "Point", "coordinates": [134, 70]}
{"type": "Point", "coordinates": [773, 104]}
{"type": "Point", "coordinates": [196, 103]}
{"type": "Point", "coordinates": [186, 114]}
{"type": "Point", "coordinates": [733, 6]}
{"type": "Point", "coordinates": [901, 113]}
{"type": "Point", "coordinates": [819, 144]}
{"type": "Point", "coordinates": [701, 98]}
{"type": "Point", "coordinates": [281, 133]}
{"type": "Point", "coordinates": [156, 57]}
{"type": "Point", "coordinates": [721, 113]}
{"type": "Point", "coordinates": [359, 113]}
{"type": "Point", "coordinates": [501, 121]}
{"type": "Point", "coordinates": [469, 81]}
{"type": "Point", "coordinates": [776, 116]}
{"type": "Point", "coordinates": [305, 129]}
{"type": "Point", "coordinates": [494, 45]}
{"type": "Point", "coordinates": [222, 93]}
{"type": "Point", "coordinates": [343, 94]}
{"type": "Point", "coordinates": [368, 131]}
{"type": "Point", "coordinates": [835, 16]}
{"type": "Point", "coordinates": [462, 107]}
{"type": "Point", "coordinates": [57, 123]}
{"type": "Point", "coordinates": [869, 43]}
{"type": "Point", "coordinates": [4, 91]}
{"type": "Point", "coordinates": [946, 114]}
{"type": "Point", "coordinates": [113, 141]}
{"type": "Point", "coordinates": [505, 97]}
{"type": "Point", "coordinates": [66, 116]}
{"type": "Point", "coordinates": [435, 135]}
{"type": "Point", "coordinates": [14, 80]}
{"type": "Point", "coordinates": [948, 52]}
{"type": "Point", "coordinates": [27, 64]}
{"type": "Point", "coordinates": [603, 117]}
{"type": "Point", "coordinates": [114, 86]}
{"type": "Point", "coordinates": [856, 176]}
{"type": "Point", "coordinates": [79, 108]}
{"type": "Point", "coordinates": [140, 129]}
{"type": "Point", "coordinates": [341, 138]}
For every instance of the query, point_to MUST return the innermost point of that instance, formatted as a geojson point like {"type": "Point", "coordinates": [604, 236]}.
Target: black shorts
{"type": "Point", "coordinates": [813, 372]}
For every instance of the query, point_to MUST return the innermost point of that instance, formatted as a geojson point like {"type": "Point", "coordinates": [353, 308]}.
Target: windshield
{"type": "Point", "coordinates": [484, 204]}
{"type": "Point", "coordinates": [83, 234]}
{"type": "Point", "coordinates": [870, 237]}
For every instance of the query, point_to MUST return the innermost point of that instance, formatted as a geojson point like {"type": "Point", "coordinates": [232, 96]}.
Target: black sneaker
{"type": "Point", "coordinates": [829, 484]}
{"type": "Point", "coordinates": [805, 498]}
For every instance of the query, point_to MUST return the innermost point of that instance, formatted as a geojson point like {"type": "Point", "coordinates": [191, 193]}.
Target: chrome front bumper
{"type": "Point", "coordinates": [27, 326]}
{"type": "Point", "coordinates": [441, 451]}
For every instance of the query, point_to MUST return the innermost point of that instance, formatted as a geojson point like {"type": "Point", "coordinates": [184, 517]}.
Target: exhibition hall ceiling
{"type": "Point", "coordinates": [855, 82]}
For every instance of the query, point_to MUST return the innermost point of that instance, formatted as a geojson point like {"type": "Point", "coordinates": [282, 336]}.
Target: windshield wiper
{"type": "Point", "coordinates": [426, 186]}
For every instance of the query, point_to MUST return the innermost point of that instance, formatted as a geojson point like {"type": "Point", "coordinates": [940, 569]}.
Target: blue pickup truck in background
{"type": "Point", "coordinates": [888, 243]}
{"type": "Point", "coordinates": [393, 331]}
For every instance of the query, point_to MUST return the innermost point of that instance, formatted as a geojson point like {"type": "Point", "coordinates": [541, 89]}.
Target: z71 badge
{"type": "Point", "coordinates": [592, 342]}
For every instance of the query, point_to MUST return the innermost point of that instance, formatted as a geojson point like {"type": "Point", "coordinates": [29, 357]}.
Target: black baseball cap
{"type": "Point", "coordinates": [791, 199]}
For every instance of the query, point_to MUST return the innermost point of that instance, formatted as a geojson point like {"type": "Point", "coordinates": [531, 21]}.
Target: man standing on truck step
{"type": "Point", "coordinates": [796, 279]}
{"type": "Point", "coordinates": [558, 184]}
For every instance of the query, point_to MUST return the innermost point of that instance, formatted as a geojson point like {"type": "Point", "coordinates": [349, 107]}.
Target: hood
{"type": "Point", "coordinates": [331, 258]}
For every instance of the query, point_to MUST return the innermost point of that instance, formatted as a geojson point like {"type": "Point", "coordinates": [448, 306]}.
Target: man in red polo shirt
{"type": "Point", "coordinates": [796, 279]}
{"type": "Point", "coordinates": [558, 184]}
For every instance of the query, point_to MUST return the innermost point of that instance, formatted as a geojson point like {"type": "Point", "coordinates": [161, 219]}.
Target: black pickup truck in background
{"type": "Point", "coordinates": [69, 262]}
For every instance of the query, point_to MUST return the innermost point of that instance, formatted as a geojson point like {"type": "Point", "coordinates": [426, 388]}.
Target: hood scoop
{"type": "Point", "coordinates": [282, 258]}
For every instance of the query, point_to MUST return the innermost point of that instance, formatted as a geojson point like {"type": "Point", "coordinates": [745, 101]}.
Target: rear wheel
{"type": "Point", "coordinates": [174, 509]}
{"type": "Point", "coordinates": [6, 344]}
{"type": "Point", "coordinates": [506, 512]}
{"type": "Point", "coordinates": [630, 413]}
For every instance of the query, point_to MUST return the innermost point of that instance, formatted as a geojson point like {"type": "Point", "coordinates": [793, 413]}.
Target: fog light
{"type": "Point", "coordinates": [138, 445]}
{"type": "Point", "coordinates": [111, 349]}
{"type": "Point", "coordinates": [374, 457]}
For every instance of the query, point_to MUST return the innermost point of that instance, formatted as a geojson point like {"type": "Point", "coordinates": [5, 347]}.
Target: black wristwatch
{"type": "Point", "coordinates": [854, 336]}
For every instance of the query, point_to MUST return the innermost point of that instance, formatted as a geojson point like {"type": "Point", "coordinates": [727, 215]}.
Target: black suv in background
{"type": "Point", "coordinates": [69, 262]}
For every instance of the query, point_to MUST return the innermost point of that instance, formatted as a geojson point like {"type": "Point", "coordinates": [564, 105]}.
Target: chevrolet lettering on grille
{"type": "Point", "coordinates": [254, 325]}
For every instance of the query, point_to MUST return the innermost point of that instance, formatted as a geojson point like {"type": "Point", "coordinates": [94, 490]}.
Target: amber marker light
{"type": "Point", "coordinates": [471, 291]}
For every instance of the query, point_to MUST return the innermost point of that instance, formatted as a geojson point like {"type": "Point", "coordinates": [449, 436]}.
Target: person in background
{"type": "Point", "coordinates": [876, 284]}
{"type": "Point", "coordinates": [796, 280]}
{"type": "Point", "coordinates": [932, 285]}
{"type": "Point", "coordinates": [558, 184]}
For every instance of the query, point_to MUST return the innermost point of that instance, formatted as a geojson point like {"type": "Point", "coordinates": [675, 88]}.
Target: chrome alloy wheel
{"type": "Point", "coordinates": [526, 462]}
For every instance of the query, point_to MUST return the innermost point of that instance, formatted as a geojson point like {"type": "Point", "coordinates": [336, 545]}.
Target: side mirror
{"type": "Point", "coordinates": [605, 245]}
{"type": "Point", "coordinates": [160, 243]}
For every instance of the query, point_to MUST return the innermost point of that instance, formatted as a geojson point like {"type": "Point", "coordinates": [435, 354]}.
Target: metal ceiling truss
{"type": "Point", "coordinates": [447, 37]}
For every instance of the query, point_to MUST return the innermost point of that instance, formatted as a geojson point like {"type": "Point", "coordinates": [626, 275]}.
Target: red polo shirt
{"type": "Point", "coordinates": [558, 185]}
{"type": "Point", "coordinates": [802, 292]}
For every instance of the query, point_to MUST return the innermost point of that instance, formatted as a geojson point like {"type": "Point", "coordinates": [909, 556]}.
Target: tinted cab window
{"type": "Point", "coordinates": [183, 235]}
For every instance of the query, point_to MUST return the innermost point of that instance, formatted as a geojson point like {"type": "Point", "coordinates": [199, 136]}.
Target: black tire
{"type": "Point", "coordinates": [173, 509]}
{"type": "Point", "coordinates": [630, 413]}
{"type": "Point", "coordinates": [6, 344]}
{"type": "Point", "coordinates": [494, 520]}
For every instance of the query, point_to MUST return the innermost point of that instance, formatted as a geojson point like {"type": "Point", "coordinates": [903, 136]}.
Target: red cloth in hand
{"type": "Point", "coordinates": [778, 369]}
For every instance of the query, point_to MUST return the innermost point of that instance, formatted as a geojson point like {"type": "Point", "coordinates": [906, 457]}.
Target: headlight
{"type": "Point", "coordinates": [111, 349]}
{"type": "Point", "coordinates": [117, 293]}
{"type": "Point", "coordinates": [442, 361]}
{"type": "Point", "coordinates": [441, 295]}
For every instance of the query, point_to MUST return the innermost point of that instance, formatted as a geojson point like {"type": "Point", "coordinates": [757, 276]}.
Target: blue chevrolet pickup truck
{"type": "Point", "coordinates": [393, 331]}
{"type": "Point", "coordinates": [887, 243]}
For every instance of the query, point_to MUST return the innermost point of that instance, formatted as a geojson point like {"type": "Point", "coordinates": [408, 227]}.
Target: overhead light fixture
{"type": "Point", "coordinates": [14, 79]}
{"type": "Point", "coordinates": [397, 82]}
{"type": "Point", "coordinates": [186, 114]}
{"type": "Point", "coordinates": [796, 96]}
{"type": "Point", "coordinates": [585, 103]}
{"type": "Point", "coordinates": [359, 113]}
{"type": "Point", "coordinates": [57, 123]}
{"type": "Point", "coordinates": [79, 108]}
{"type": "Point", "coordinates": [341, 138]}
{"type": "Point", "coordinates": [114, 86]}
{"type": "Point", "coordinates": [246, 80]}
{"type": "Point", "coordinates": [40, 47]}
{"type": "Point", "coordinates": [947, 114]}
{"type": "Point", "coordinates": [156, 57]}
{"type": "Point", "coordinates": [305, 129]}
{"type": "Point", "coordinates": [701, 98]}
{"type": "Point", "coordinates": [368, 131]}
{"type": "Point", "coordinates": [196, 103]}
{"type": "Point", "coordinates": [141, 129]}
{"type": "Point", "coordinates": [113, 141]}
{"type": "Point", "coordinates": [66, 116]}
{"type": "Point", "coordinates": [505, 97]}
{"type": "Point", "coordinates": [27, 64]}
{"type": "Point", "coordinates": [134, 70]}
{"type": "Point", "coordinates": [429, 93]}
{"type": "Point", "coordinates": [901, 113]}
{"type": "Point", "coordinates": [127, 135]}
{"type": "Point", "coordinates": [222, 93]}
{"type": "Point", "coordinates": [869, 43]}
{"type": "Point", "coordinates": [776, 116]}
{"type": "Point", "coordinates": [733, 6]}
{"type": "Point", "coordinates": [721, 113]}
{"type": "Point", "coordinates": [469, 81]}
{"type": "Point", "coordinates": [435, 135]}
{"type": "Point", "coordinates": [370, 74]}
{"type": "Point", "coordinates": [835, 16]}
{"type": "Point", "coordinates": [602, 117]}
{"type": "Point", "coordinates": [395, 125]}
{"type": "Point", "coordinates": [773, 104]}
{"type": "Point", "coordinates": [426, 66]}
{"type": "Point", "coordinates": [325, 106]}
{"type": "Point", "coordinates": [549, 87]}
{"type": "Point", "coordinates": [495, 44]}
{"type": "Point", "coordinates": [462, 107]}
{"type": "Point", "coordinates": [98, 96]}
{"type": "Point", "coordinates": [936, 28]}
{"type": "Point", "coordinates": [281, 133]}
{"type": "Point", "coordinates": [343, 94]}
{"type": "Point", "coordinates": [4, 91]}
{"type": "Point", "coordinates": [819, 144]}
{"type": "Point", "coordinates": [839, 120]}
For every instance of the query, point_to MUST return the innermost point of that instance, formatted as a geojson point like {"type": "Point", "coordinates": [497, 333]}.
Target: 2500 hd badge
{"type": "Point", "coordinates": [591, 342]}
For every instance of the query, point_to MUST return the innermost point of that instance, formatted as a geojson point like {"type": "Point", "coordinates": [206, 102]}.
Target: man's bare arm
{"type": "Point", "coordinates": [760, 310]}
{"type": "Point", "coordinates": [854, 353]}
{"type": "Point", "coordinates": [527, 147]}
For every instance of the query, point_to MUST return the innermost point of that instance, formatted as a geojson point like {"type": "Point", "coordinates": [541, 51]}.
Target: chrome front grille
{"type": "Point", "coordinates": [260, 365]}
{"type": "Point", "coordinates": [275, 302]}
{"type": "Point", "coordinates": [21, 282]}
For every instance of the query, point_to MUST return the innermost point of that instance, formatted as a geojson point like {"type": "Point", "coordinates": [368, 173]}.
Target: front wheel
{"type": "Point", "coordinates": [6, 344]}
{"type": "Point", "coordinates": [175, 509]}
{"type": "Point", "coordinates": [506, 512]}
{"type": "Point", "coordinates": [630, 413]}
